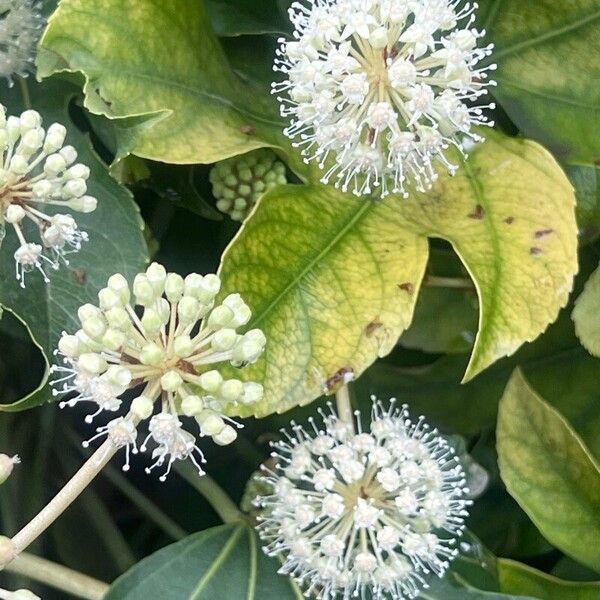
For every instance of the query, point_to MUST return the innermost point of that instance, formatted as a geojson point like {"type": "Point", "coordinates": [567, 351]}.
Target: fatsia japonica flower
{"type": "Point", "coordinates": [37, 173]}
{"type": "Point", "coordinates": [21, 25]}
{"type": "Point", "coordinates": [378, 90]}
{"type": "Point", "coordinates": [239, 182]}
{"type": "Point", "coordinates": [367, 514]}
{"type": "Point", "coordinates": [165, 352]}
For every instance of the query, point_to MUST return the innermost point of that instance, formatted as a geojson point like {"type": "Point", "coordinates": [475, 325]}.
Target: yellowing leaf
{"type": "Point", "coordinates": [549, 472]}
{"type": "Point", "coordinates": [333, 279]}
{"type": "Point", "coordinates": [158, 69]}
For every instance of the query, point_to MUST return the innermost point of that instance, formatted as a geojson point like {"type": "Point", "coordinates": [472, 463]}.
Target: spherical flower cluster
{"type": "Point", "coordinates": [20, 28]}
{"type": "Point", "coordinates": [377, 90]}
{"type": "Point", "coordinates": [238, 183]}
{"type": "Point", "coordinates": [37, 171]}
{"type": "Point", "coordinates": [166, 351]}
{"type": "Point", "coordinates": [364, 514]}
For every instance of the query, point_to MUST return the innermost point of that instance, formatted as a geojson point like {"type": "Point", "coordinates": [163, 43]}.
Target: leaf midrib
{"type": "Point", "coordinates": [217, 563]}
{"type": "Point", "coordinates": [544, 37]}
{"type": "Point", "coordinates": [329, 247]}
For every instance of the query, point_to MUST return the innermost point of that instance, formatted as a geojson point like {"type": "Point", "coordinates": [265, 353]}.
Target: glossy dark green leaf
{"type": "Point", "coordinates": [221, 563]}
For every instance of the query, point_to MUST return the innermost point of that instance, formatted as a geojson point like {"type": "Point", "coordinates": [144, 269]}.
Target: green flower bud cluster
{"type": "Point", "coordinates": [239, 182]}
{"type": "Point", "coordinates": [167, 348]}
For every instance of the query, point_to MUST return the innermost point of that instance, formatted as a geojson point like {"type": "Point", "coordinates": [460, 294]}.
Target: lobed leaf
{"type": "Point", "coordinates": [333, 280]}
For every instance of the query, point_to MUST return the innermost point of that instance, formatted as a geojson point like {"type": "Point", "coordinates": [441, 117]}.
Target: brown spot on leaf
{"type": "Point", "coordinates": [478, 213]}
{"type": "Point", "coordinates": [535, 251]}
{"type": "Point", "coordinates": [79, 275]}
{"type": "Point", "coordinates": [248, 130]}
{"type": "Point", "coordinates": [509, 220]}
{"type": "Point", "coordinates": [372, 327]}
{"type": "Point", "coordinates": [338, 379]}
{"type": "Point", "coordinates": [407, 287]}
{"type": "Point", "coordinates": [543, 233]}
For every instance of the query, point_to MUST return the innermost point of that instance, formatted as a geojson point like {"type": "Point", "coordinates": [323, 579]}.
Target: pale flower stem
{"type": "Point", "coordinates": [344, 406]}
{"type": "Point", "coordinates": [213, 493]}
{"type": "Point", "coordinates": [67, 495]}
{"type": "Point", "coordinates": [58, 577]}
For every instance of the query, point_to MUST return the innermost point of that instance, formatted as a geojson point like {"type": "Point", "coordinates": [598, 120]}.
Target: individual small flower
{"type": "Point", "coordinates": [378, 90]}
{"type": "Point", "coordinates": [167, 351]}
{"type": "Point", "coordinates": [20, 29]}
{"type": "Point", "coordinates": [238, 183]}
{"type": "Point", "coordinates": [367, 514]}
{"type": "Point", "coordinates": [7, 464]}
{"type": "Point", "coordinates": [39, 172]}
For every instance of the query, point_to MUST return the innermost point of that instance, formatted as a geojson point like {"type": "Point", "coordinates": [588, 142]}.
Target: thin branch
{"type": "Point", "coordinates": [457, 283]}
{"type": "Point", "coordinates": [59, 577]}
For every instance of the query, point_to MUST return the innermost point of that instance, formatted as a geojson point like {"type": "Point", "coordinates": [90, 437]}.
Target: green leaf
{"type": "Point", "coordinates": [548, 56]}
{"type": "Point", "coordinates": [587, 314]}
{"type": "Point", "coordinates": [335, 295]}
{"type": "Point", "coordinates": [161, 73]}
{"type": "Point", "coordinates": [222, 562]}
{"type": "Point", "coordinates": [445, 590]}
{"type": "Point", "coordinates": [517, 578]}
{"type": "Point", "coordinates": [115, 232]}
{"type": "Point", "coordinates": [550, 472]}
{"type": "Point", "coordinates": [239, 17]}
{"type": "Point", "coordinates": [585, 180]}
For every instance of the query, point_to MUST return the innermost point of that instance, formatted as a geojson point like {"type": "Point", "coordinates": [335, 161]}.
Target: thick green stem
{"type": "Point", "coordinates": [214, 494]}
{"type": "Point", "coordinates": [58, 577]}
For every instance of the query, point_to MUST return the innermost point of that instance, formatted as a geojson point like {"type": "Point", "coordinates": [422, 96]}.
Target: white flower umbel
{"type": "Point", "coordinates": [21, 25]}
{"type": "Point", "coordinates": [364, 514]}
{"type": "Point", "coordinates": [166, 351]}
{"type": "Point", "coordinates": [38, 172]}
{"type": "Point", "coordinates": [378, 90]}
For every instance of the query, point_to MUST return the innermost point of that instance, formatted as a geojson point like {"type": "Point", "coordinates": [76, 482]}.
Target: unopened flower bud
{"type": "Point", "coordinates": [114, 339]}
{"type": "Point", "coordinates": [152, 354]}
{"type": "Point", "coordinates": [226, 436]}
{"type": "Point", "coordinates": [221, 316]}
{"type": "Point", "coordinates": [224, 339]}
{"type": "Point", "coordinates": [85, 204]}
{"type": "Point", "coordinates": [69, 345]}
{"type": "Point", "coordinates": [7, 464]}
{"type": "Point", "coordinates": [174, 287]}
{"type": "Point", "coordinates": [210, 423]}
{"type": "Point", "coordinates": [14, 214]}
{"type": "Point", "coordinates": [143, 290]}
{"type": "Point", "coordinates": [231, 390]}
{"type": "Point", "coordinates": [95, 327]}
{"type": "Point", "coordinates": [211, 381]}
{"type": "Point", "coordinates": [142, 407]}
{"type": "Point", "coordinates": [92, 363]}
{"type": "Point", "coordinates": [253, 392]}
{"type": "Point", "coordinates": [183, 346]}
{"type": "Point", "coordinates": [118, 318]}
{"type": "Point", "coordinates": [152, 321]}
{"type": "Point", "coordinates": [192, 405]}
{"type": "Point", "coordinates": [157, 276]}
{"type": "Point", "coordinates": [118, 284]}
{"type": "Point", "coordinates": [171, 381]}
{"type": "Point", "coordinates": [188, 309]}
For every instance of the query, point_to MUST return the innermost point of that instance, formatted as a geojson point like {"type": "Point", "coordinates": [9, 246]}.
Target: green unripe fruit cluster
{"type": "Point", "coordinates": [239, 182]}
